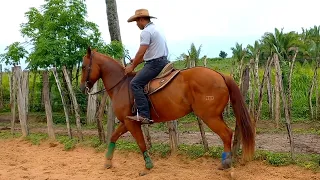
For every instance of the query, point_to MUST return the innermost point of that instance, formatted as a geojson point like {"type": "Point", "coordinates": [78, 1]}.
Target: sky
{"type": "Point", "coordinates": [215, 25]}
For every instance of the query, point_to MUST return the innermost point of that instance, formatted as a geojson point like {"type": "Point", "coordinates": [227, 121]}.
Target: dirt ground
{"type": "Point", "coordinates": [276, 142]}
{"type": "Point", "coordinates": [22, 160]}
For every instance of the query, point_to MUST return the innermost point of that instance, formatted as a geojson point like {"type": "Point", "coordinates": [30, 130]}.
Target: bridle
{"type": "Point", "coordinates": [88, 80]}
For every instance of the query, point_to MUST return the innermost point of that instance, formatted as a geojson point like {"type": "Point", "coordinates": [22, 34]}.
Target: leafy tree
{"type": "Point", "coordinates": [15, 52]}
{"type": "Point", "coordinates": [59, 33]}
{"type": "Point", "coordinates": [223, 54]}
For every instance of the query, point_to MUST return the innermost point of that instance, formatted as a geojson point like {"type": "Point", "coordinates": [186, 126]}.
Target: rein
{"type": "Point", "coordinates": [104, 89]}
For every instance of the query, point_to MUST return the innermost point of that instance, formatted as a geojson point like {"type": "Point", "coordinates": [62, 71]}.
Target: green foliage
{"type": "Point", "coordinates": [223, 54]}
{"type": "Point", "coordinates": [14, 53]}
{"type": "Point", "coordinates": [36, 138]}
{"type": "Point", "coordinates": [194, 55]}
{"type": "Point", "coordinates": [59, 33]}
{"type": "Point", "coordinates": [68, 143]}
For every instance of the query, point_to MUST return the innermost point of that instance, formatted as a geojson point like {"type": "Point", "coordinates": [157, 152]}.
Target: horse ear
{"type": "Point", "coordinates": [88, 52]}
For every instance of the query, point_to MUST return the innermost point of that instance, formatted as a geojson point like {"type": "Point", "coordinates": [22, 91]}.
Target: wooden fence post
{"type": "Point", "coordinates": [55, 74]}
{"type": "Point", "coordinates": [173, 135]}
{"type": "Point", "coordinates": [92, 105]}
{"type": "Point", "coordinates": [13, 90]}
{"type": "Point", "coordinates": [22, 81]}
{"type": "Point", "coordinates": [99, 118]}
{"type": "Point", "coordinates": [75, 103]}
{"type": "Point", "coordinates": [110, 122]}
{"type": "Point", "coordinates": [47, 104]}
{"type": "Point", "coordinates": [284, 102]}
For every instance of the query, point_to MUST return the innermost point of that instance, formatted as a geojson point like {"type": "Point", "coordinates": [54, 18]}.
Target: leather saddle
{"type": "Point", "coordinates": [161, 80]}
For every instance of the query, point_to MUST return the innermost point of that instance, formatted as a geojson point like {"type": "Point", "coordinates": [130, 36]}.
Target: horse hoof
{"type": "Point", "coordinates": [108, 164]}
{"type": "Point", "coordinates": [226, 165]}
{"type": "Point", "coordinates": [149, 165]}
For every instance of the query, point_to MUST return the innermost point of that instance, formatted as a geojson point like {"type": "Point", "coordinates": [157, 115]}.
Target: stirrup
{"type": "Point", "coordinates": [143, 120]}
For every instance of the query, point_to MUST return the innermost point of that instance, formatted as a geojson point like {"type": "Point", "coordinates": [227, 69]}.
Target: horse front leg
{"type": "Point", "coordinates": [135, 130]}
{"type": "Point", "coordinates": [112, 145]}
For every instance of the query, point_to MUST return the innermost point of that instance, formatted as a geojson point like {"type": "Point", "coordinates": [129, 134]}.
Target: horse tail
{"type": "Point", "coordinates": [242, 118]}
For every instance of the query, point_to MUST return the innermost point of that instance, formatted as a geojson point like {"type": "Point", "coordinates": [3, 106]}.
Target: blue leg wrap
{"type": "Point", "coordinates": [226, 160]}
{"type": "Point", "coordinates": [225, 155]}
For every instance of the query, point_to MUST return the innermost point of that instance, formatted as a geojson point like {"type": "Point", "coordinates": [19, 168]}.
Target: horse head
{"type": "Point", "coordinates": [90, 71]}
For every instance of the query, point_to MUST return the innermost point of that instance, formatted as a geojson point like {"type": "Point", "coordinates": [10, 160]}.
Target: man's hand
{"type": "Point", "coordinates": [128, 69]}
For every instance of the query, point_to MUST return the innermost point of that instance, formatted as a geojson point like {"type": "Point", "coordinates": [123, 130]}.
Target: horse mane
{"type": "Point", "coordinates": [106, 57]}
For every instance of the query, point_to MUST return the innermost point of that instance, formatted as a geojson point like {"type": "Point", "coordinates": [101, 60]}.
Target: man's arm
{"type": "Point", "coordinates": [139, 56]}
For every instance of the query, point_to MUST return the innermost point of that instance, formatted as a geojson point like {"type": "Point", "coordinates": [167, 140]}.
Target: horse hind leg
{"type": "Point", "coordinates": [217, 125]}
{"type": "Point", "coordinates": [111, 146]}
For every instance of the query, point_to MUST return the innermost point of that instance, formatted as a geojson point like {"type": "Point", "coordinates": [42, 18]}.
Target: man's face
{"type": "Point", "coordinates": [140, 23]}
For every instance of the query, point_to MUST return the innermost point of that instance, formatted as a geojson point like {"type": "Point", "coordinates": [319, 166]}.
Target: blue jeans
{"type": "Point", "coordinates": [150, 70]}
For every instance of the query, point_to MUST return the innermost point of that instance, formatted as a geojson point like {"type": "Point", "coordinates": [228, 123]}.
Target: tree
{"type": "Point", "coordinates": [59, 33]}
{"type": "Point", "coordinates": [15, 52]}
{"type": "Point", "coordinates": [223, 54]}
{"type": "Point", "coordinates": [194, 55]}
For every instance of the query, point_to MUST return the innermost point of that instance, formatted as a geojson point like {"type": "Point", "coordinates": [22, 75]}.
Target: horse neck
{"type": "Point", "coordinates": [111, 74]}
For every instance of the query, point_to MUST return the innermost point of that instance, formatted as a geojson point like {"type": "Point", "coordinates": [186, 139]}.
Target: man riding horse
{"type": "Point", "coordinates": [154, 51]}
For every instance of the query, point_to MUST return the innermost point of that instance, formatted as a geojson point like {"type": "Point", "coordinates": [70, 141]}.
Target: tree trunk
{"type": "Point", "coordinates": [111, 121]}
{"type": "Point", "coordinates": [289, 82]}
{"type": "Point", "coordinates": [261, 91]}
{"type": "Point", "coordinates": [99, 118]}
{"type": "Point", "coordinates": [277, 109]}
{"type": "Point", "coordinates": [314, 79]}
{"type": "Point", "coordinates": [173, 135]}
{"type": "Point", "coordinates": [55, 74]}
{"type": "Point", "coordinates": [1, 88]}
{"type": "Point", "coordinates": [76, 107]}
{"type": "Point", "coordinates": [47, 104]}
{"type": "Point", "coordinates": [92, 105]}
{"type": "Point", "coordinates": [113, 20]}
{"type": "Point", "coordinates": [244, 89]}
{"type": "Point", "coordinates": [284, 101]}
{"type": "Point", "coordinates": [22, 82]}
{"type": "Point", "coordinates": [13, 91]}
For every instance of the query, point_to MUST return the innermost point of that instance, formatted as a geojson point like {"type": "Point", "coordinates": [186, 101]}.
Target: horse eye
{"type": "Point", "coordinates": [83, 67]}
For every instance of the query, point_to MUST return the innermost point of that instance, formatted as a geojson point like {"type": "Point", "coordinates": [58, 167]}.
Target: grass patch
{"type": "Point", "coordinates": [308, 161]}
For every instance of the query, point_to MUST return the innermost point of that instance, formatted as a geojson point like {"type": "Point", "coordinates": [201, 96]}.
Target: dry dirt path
{"type": "Point", "coordinates": [21, 160]}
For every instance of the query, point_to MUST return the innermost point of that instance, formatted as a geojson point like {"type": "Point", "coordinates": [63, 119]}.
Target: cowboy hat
{"type": "Point", "coordinates": [140, 13]}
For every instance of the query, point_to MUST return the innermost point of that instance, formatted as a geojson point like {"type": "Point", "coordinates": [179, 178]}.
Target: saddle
{"type": "Point", "coordinates": [161, 80]}
{"type": "Point", "coordinates": [157, 83]}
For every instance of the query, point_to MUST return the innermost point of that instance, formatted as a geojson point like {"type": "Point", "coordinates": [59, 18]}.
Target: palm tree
{"type": "Point", "coordinates": [193, 56]}
{"type": "Point", "coordinates": [239, 54]}
{"type": "Point", "coordinates": [253, 53]}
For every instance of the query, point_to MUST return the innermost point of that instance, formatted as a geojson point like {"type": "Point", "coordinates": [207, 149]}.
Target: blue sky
{"type": "Point", "coordinates": [216, 25]}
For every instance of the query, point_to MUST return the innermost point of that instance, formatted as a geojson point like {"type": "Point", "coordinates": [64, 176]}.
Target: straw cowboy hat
{"type": "Point", "coordinates": [140, 13]}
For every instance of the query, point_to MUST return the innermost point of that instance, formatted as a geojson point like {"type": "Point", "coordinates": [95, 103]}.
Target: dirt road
{"type": "Point", "coordinates": [21, 160]}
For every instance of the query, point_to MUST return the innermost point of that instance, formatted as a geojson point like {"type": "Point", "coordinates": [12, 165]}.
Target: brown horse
{"type": "Point", "coordinates": [200, 90]}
